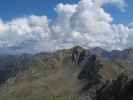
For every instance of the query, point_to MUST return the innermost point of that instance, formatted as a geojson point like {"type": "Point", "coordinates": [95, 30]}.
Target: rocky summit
{"type": "Point", "coordinates": [69, 74]}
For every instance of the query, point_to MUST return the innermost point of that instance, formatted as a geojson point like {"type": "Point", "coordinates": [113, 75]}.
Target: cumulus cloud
{"type": "Point", "coordinates": [2, 26]}
{"type": "Point", "coordinates": [85, 23]}
{"type": "Point", "coordinates": [25, 30]}
{"type": "Point", "coordinates": [119, 3]}
{"type": "Point", "coordinates": [89, 25]}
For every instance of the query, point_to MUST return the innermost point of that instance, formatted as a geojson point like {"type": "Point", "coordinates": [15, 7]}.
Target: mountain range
{"type": "Point", "coordinates": [69, 74]}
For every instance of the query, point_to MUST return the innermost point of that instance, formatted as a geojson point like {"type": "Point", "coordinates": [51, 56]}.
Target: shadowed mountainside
{"type": "Point", "coordinates": [73, 74]}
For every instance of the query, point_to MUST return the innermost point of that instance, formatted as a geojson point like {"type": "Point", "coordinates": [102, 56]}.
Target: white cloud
{"type": "Point", "coordinates": [22, 30]}
{"type": "Point", "coordinates": [89, 25]}
{"type": "Point", "coordinates": [86, 24]}
{"type": "Point", "coordinates": [119, 3]}
{"type": "Point", "coordinates": [2, 26]}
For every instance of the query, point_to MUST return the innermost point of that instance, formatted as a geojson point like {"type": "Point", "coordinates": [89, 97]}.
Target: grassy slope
{"type": "Point", "coordinates": [49, 79]}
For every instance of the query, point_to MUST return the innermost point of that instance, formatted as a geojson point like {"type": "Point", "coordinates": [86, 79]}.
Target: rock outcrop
{"type": "Point", "coordinates": [119, 89]}
{"type": "Point", "coordinates": [98, 88]}
{"type": "Point", "coordinates": [69, 74]}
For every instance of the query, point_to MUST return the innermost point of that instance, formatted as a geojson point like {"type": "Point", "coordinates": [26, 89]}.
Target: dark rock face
{"type": "Point", "coordinates": [90, 69]}
{"type": "Point", "coordinates": [119, 89]}
{"type": "Point", "coordinates": [89, 72]}
{"type": "Point", "coordinates": [78, 54]}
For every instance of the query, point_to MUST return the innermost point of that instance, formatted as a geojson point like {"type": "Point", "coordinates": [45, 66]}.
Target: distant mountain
{"type": "Point", "coordinates": [69, 74]}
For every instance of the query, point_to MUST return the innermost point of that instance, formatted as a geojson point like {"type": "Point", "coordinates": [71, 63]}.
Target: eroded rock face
{"type": "Point", "coordinates": [90, 73]}
{"type": "Point", "coordinates": [96, 87]}
{"type": "Point", "coordinates": [90, 69]}
{"type": "Point", "coordinates": [78, 54]}
{"type": "Point", "coordinates": [119, 89]}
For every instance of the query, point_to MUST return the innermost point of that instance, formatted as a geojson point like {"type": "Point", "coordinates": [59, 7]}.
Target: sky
{"type": "Point", "coordinates": [48, 25]}
{"type": "Point", "coordinates": [16, 8]}
{"type": "Point", "coordinates": [121, 17]}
